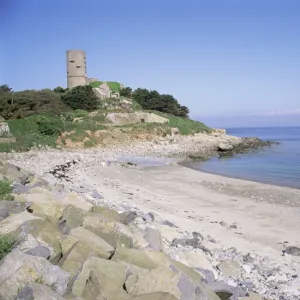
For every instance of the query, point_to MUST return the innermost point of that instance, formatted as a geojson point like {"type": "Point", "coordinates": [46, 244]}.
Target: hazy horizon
{"type": "Point", "coordinates": [231, 63]}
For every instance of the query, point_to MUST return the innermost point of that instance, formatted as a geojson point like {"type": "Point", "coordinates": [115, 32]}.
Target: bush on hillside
{"type": "Point", "coordinates": [152, 100]}
{"type": "Point", "coordinates": [16, 105]}
{"type": "Point", "coordinates": [126, 92]}
{"type": "Point", "coordinates": [49, 126]}
{"type": "Point", "coordinates": [81, 97]}
{"type": "Point", "coordinates": [59, 90]}
{"type": "Point", "coordinates": [80, 113]}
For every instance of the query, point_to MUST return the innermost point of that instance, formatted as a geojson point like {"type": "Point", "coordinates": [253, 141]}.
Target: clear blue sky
{"type": "Point", "coordinates": [220, 58]}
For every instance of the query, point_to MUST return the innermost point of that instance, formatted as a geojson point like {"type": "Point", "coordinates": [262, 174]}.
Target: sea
{"type": "Point", "coordinates": [278, 164]}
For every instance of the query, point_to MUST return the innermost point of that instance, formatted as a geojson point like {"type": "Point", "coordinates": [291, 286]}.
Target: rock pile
{"type": "Point", "coordinates": [70, 247]}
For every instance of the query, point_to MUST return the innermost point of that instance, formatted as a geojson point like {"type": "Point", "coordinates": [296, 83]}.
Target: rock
{"type": "Point", "coordinates": [46, 234]}
{"type": "Point", "coordinates": [96, 195]}
{"type": "Point", "coordinates": [251, 296]}
{"type": "Point", "coordinates": [157, 280]}
{"type": "Point", "coordinates": [224, 147]}
{"type": "Point", "coordinates": [153, 236]}
{"type": "Point", "coordinates": [72, 217]}
{"type": "Point", "coordinates": [19, 269]}
{"type": "Point", "coordinates": [92, 289]}
{"type": "Point", "coordinates": [13, 222]}
{"type": "Point", "coordinates": [195, 260]}
{"type": "Point", "coordinates": [78, 201]}
{"type": "Point", "coordinates": [194, 243]}
{"type": "Point", "coordinates": [111, 276]}
{"type": "Point", "coordinates": [36, 291]}
{"type": "Point", "coordinates": [247, 268]}
{"type": "Point", "coordinates": [109, 214]}
{"type": "Point", "coordinates": [135, 257]}
{"type": "Point", "coordinates": [292, 250]}
{"type": "Point", "coordinates": [128, 217]}
{"type": "Point", "coordinates": [227, 292]}
{"type": "Point", "coordinates": [13, 207]}
{"type": "Point", "coordinates": [15, 173]}
{"type": "Point", "coordinates": [36, 198]}
{"type": "Point", "coordinates": [171, 281]}
{"type": "Point", "coordinates": [19, 188]}
{"type": "Point", "coordinates": [155, 296]}
{"type": "Point", "coordinates": [230, 268]}
{"type": "Point", "coordinates": [208, 247]}
{"type": "Point", "coordinates": [50, 211]}
{"type": "Point", "coordinates": [149, 218]}
{"type": "Point", "coordinates": [114, 233]}
{"type": "Point", "coordinates": [80, 245]}
{"type": "Point", "coordinates": [40, 251]}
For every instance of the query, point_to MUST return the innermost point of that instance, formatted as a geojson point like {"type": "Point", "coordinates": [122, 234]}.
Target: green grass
{"type": "Point", "coordinates": [5, 190]}
{"type": "Point", "coordinates": [113, 85]}
{"type": "Point", "coordinates": [27, 134]}
{"type": "Point", "coordinates": [7, 243]}
{"type": "Point", "coordinates": [185, 126]}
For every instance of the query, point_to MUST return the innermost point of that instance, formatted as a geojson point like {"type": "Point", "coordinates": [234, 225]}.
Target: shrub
{"type": "Point", "coordinates": [81, 97]}
{"type": "Point", "coordinates": [80, 113]}
{"type": "Point", "coordinates": [5, 190]}
{"type": "Point", "coordinates": [126, 92]}
{"type": "Point", "coordinates": [15, 105]}
{"type": "Point", "coordinates": [49, 126]}
{"type": "Point", "coordinates": [7, 243]}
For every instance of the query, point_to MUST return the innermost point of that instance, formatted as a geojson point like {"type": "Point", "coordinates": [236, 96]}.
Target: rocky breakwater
{"type": "Point", "coordinates": [71, 246]}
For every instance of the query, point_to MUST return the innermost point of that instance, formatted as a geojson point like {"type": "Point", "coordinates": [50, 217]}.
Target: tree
{"type": "Point", "coordinates": [126, 92]}
{"type": "Point", "coordinates": [81, 97]}
{"type": "Point", "coordinates": [5, 88]}
{"type": "Point", "coordinates": [59, 90]}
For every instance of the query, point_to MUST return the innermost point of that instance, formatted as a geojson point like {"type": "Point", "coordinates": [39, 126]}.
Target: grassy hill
{"type": "Point", "coordinates": [113, 85]}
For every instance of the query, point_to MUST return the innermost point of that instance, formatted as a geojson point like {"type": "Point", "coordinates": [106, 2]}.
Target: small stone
{"type": "Point", "coordinates": [292, 250]}
{"type": "Point", "coordinates": [194, 243]}
{"type": "Point", "coordinates": [247, 268]}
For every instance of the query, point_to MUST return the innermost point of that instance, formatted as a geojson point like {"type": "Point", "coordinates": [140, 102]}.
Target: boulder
{"type": "Point", "coordinates": [13, 207]}
{"type": "Point", "coordinates": [157, 280]}
{"type": "Point", "coordinates": [225, 147]}
{"type": "Point", "coordinates": [109, 214]}
{"type": "Point", "coordinates": [19, 269]}
{"type": "Point", "coordinates": [50, 211]}
{"type": "Point", "coordinates": [14, 173]}
{"type": "Point", "coordinates": [35, 291]}
{"type": "Point", "coordinates": [40, 251]}
{"type": "Point", "coordinates": [18, 188]}
{"type": "Point", "coordinates": [92, 290]}
{"type": "Point", "coordinates": [81, 245]}
{"type": "Point", "coordinates": [135, 257]}
{"type": "Point", "coordinates": [35, 198]}
{"type": "Point", "coordinates": [114, 233]}
{"type": "Point", "coordinates": [78, 201]}
{"type": "Point", "coordinates": [72, 217]}
{"type": "Point", "coordinates": [46, 234]}
{"type": "Point", "coordinates": [111, 276]}
{"type": "Point", "coordinates": [230, 268]}
{"type": "Point", "coordinates": [171, 281]}
{"type": "Point", "coordinates": [153, 237]}
{"type": "Point", "coordinates": [195, 260]}
{"type": "Point", "coordinates": [14, 221]}
{"type": "Point", "coordinates": [128, 217]}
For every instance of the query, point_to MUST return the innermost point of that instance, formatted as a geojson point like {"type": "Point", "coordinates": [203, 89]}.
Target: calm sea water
{"type": "Point", "coordinates": [279, 165]}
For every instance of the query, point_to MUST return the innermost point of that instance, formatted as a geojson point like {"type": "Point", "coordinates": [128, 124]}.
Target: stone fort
{"type": "Point", "coordinates": [77, 75]}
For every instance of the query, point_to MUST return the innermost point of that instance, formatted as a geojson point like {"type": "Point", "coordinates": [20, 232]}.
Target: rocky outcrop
{"type": "Point", "coordinates": [70, 246]}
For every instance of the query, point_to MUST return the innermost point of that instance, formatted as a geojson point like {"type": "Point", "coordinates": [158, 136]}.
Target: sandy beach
{"type": "Point", "coordinates": [252, 217]}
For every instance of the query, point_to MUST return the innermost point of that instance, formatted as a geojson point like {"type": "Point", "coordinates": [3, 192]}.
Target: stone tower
{"type": "Point", "coordinates": [76, 68]}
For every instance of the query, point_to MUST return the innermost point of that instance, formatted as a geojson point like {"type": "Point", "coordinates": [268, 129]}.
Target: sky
{"type": "Point", "coordinates": [233, 63]}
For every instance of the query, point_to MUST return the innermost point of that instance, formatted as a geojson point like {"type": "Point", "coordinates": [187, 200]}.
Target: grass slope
{"type": "Point", "coordinates": [113, 85]}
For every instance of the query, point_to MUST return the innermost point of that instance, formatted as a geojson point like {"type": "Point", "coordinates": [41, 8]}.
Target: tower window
{"type": "Point", "coordinates": [77, 67]}
{"type": "Point", "coordinates": [72, 61]}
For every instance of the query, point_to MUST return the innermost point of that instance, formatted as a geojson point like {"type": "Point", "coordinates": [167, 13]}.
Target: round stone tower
{"type": "Point", "coordinates": [76, 68]}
